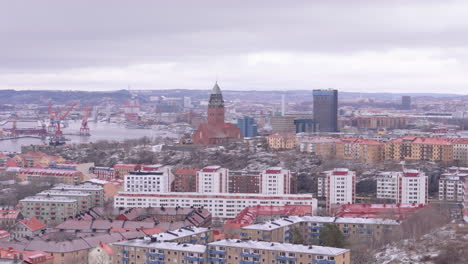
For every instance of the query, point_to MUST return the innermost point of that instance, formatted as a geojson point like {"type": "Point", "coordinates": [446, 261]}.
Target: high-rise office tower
{"type": "Point", "coordinates": [326, 110]}
{"type": "Point", "coordinates": [247, 126]}
{"type": "Point", "coordinates": [406, 102]}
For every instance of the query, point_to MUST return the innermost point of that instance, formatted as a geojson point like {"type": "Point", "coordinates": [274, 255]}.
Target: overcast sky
{"type": "Point", "coordinates": [364, 46]}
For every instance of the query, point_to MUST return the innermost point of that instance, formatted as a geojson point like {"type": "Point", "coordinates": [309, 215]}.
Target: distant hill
{"type": "Point", "coordinates": [120, 96]}
{"type": "Point", "coordinates": [60, 97]}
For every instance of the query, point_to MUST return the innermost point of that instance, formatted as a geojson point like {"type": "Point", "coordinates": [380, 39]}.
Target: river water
{"type": "Point", "coordinates": [99, 131]}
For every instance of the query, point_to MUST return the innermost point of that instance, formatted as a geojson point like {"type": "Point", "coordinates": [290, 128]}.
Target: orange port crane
{"type": "Point", "coordinates": [84, 129]}
{"type": "Point", "coordinates": [56, 118]}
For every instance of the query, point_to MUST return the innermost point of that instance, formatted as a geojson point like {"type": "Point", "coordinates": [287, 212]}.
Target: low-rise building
{"type": "Point", "coordinates": [309, 227]}
{"type": "Point", "coordinates": [84, 200]}
{"type": "Point", "coordinates": [221, 205]}
{"type": "Point", "coordinates": [237, 251]}
{"type": "Point", "coordinates": [8, 218]}
{"type": "Point", "coordinates": [50, 175]}
{"type": "Point", "coordinates": [383, 211]}
{"type": "Point", "coordinates": [48, 209]}
{"type": "Point", "coordinates": [225, 251]}
{"type": "Point", "coordinates": [358, 149]}
{"type": "Point", "coordinates": [319, 146]}
{"type": "Point", "coordinates": [281, 141]}
{"type": "Point", "coordinates": [143, 251]}
{"type": "Point", "coordinates": [103, 173]}
{"type": "Point", "coordinates": [96, 191]}
{"type": "Point", "coordinates": [28, 257]}
{"type": "Point", "coordinates": [27, 228]}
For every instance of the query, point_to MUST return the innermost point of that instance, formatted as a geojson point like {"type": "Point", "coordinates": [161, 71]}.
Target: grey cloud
{"type": "Point", "coordinates": [48, 37]}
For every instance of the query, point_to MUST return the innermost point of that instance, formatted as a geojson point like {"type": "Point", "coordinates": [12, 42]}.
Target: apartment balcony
{"type": "Point", "coordinates": [155, 255]}
{"type": "Point", "coordinates": [249, 262]}
{"type": "Point", "coordinates": [323, 261]}
{"type": "Point", "coordinates": [285, 258]}
{"type": "Point", "coordinates": [250, 255]}
{"type": "Point", "coordinates": [194, 259]}
{"type": "Point", "coordinates": [154, 262]}
{"type": "Point", "coordinates": [125, 252]}
{"type": "Point", "coordinates": [216, 260]}
{"type": "Point", "coordinates": [218, 252]}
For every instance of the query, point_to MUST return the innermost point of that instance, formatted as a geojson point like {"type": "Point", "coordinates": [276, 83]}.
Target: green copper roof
{"type": "Point", "coordinates": [216, 89]}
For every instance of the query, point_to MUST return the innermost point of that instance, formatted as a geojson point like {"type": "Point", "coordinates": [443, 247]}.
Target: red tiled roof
{"type": "Point", "coordinates": [419, 140]}
{"type": "Point", "coordinates": [33, 257]}
{"type": "Point", "coordinates": [4, 233]}
{"type": "Point", "coordinates": [393, 211]}
{"type": "Point", "coordinates": [249, 214]}
{"type": "Point", "coordinates": [12, 163]}
{"type": "Point", "coordinates": [9, 214]}
{"type": "Point", "coordinates": [359, 141]}
{"type": "Point", "coordinates": [106, 248]}
{"type": "Point", "coordinates": [33, 223]}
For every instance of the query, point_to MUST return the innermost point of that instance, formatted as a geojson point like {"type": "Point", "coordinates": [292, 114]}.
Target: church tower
{"type": "Point", "coordinates": [216, 108]}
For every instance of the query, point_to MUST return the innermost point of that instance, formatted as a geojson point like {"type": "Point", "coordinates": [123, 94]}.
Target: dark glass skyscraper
{"type": "Point", "coordinates": [326, 110]}
{"type": "Point", "coordinates": [247, 126]}
{"type": "Point", "coordinates": [406, 102]}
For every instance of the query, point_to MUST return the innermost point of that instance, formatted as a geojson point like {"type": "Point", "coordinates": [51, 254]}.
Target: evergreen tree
{"type": "Point", "coordinates": [297, 237]}
{"type": "Point", "coordinates": [331, 236]}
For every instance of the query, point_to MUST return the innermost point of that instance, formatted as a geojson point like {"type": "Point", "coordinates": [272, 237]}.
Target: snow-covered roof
{"type": "Point", "coordinates": [163, 245]}
{"type": "Point", "coordinates": [178, 233]}
{"type": "Point", "coordinates": [48, 199]}
{"type": "Point", "coordinates": [262, 245]}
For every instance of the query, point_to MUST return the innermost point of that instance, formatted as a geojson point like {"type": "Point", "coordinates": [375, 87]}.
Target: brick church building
{"type": "Point", "coordinates": [215, 131]}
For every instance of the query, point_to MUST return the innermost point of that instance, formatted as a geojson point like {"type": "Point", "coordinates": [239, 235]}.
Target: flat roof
{"type": "Point", "coordinates": [178, 233]}
{"type": "Point", "coordinates": [48, 198]}
{"type": "Point", "coordinates": [163, 245]}
{"type": "Point", "coordinates": [217, 195]}
{"type": "Point", "coordinates": [63, 193]}
{"type": "Point", "coordinates": [85, 186]}
{"type": "Point", "coordinates": [286, 247]}
{"type": "Point", "coordinates": [286, 221]}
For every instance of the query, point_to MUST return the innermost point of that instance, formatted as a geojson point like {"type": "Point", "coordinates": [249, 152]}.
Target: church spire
{"type": "Point", "coordinates": [216, 89]}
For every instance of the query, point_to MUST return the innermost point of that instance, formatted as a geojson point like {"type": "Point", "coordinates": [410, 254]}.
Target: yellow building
{"type": "Point", "coordinates": [224, 251]}
{"type": "Point", "coordinates": [358, 149]}
{"type": "Point", "coordinates": [415, 148]}
{"type": "Point", "coordinates": [249, 251]}
{"type": "Point", "coordinates": [284, 229]}
{"type": "Point", "coordinates": [281, 141]}
{"type": "Point", "coordinates": [148, 252]}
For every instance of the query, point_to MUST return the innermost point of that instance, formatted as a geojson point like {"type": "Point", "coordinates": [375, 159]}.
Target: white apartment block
{"type": "Point", "coordinates": [338, 186]}
{"type": "Point", "coordinates": [387, 183]}
{"type": "Point", "coordinates": [405, 187]}
{"type": "Point", "coordinates": [465, 201]}
{"type": "Point", "coordinates": [451, 184]}
{"type": "Point", "coordinates": [412, 187]}
{"type": "Point", "coordinates": [152, 179]}
{"type": "Point", "coordinates": [212, 179]}
{"type": "Point", "coordinates": [221, 205]}
{"type": "Point", "coordinates": [275, 180]}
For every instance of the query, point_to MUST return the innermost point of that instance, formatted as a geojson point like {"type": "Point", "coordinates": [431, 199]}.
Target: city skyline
{"type": "Point", "coordinates": [364, 46]}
